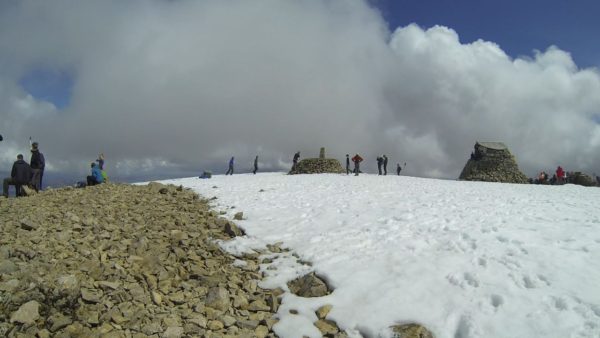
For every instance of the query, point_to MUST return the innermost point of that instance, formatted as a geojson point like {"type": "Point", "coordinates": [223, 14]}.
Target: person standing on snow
{"type": "Point", "coordinates": [357, 159]}
{"type": "Point", "coordinates": [230, 170]}
{"type": "Point", "coordinates": [398, 169]}
{"type": "Point", "coordinates": [295, 160]}
{"type": "Point", "coordinates": [385, 161]}
{"type": "Point", "coordinates": [379, 163]}
{"type": "Point", "coordinates": [559, 174]}
{"type": "Point", "coordinates": [347, 164]}
{"type": "Point", "coordinates": [255, 164]}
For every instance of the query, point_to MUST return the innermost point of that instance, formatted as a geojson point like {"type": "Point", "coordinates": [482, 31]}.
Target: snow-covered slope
{"type": "Point", "coordinates": [465, 259]}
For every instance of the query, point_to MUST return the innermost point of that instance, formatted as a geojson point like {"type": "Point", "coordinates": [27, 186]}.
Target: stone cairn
{"type": "Point", "coordinates": [492, 162]}
{"type": "Point", "coordinates": [318, 165]}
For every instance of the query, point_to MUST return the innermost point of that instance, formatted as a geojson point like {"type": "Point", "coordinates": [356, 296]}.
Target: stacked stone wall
{"type": "Point", "coordinates": [317, 166]}
{"type": "Point", "coordinates": [493, 165]}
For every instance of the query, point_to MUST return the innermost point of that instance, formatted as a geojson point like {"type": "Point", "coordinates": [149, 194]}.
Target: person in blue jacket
{"type": "Point", "coordinates": [230, 170]}
{"type": "Point", "coordinates": [96, 177]}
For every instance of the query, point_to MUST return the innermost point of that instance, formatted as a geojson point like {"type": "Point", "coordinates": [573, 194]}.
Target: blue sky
{"type": "Point", "coordinates": [518, 27]}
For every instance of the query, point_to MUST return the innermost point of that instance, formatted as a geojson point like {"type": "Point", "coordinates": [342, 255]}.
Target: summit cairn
{"type": "Point", "coordinates": [318, 165]}
{"type": "Point", "coordinates": [492, 162]}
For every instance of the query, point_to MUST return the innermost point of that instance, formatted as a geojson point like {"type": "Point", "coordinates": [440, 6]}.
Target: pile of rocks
{"type": "Point", "coordinates": [492, 162]}
{"type": "Point", "coordinates": [318, 165]}
{"type": "Point", "coordinates": [125, 261]}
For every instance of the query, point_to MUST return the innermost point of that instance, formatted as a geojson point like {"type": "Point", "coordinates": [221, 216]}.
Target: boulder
{"type": "Point", "coordinates": [309, 285]}
{"type": "Point", "coordinates": [27, 313]}
{"type": "Point", "coordinates": [411, 330]}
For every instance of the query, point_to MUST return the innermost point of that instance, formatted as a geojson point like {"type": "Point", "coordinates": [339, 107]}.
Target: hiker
{"type": "Point", "coordinates": [96, 177]}
{"type": "Point", "coordinates": [19, 175]}
{"type": "Point", "coordinates": [379, 163]}
{"type": "Point", "coordinates": [230, 170]}
{"type": "Point", "coordinates": [347, 164]}
{"type": "Point", "coordinates": [295, 160]}
{"type": "Point", "coordinates": [356, 159]}
{"type": "Point", "coordinates": [100, 161]}
{"type": "Point", "coordinates": [255, 164]}
{"type": "Point", "coordinates": [560, 173]}
{"type": "Point", "coordinates": [398, 169]}
{"type": "Point", "coordinates": [385, 162]}
{"type": "Point", "coordinates": [37, 164]}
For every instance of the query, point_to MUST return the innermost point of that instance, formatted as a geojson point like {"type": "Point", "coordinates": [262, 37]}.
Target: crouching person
{"type": "Point", "coordinates": [96, 177]}
{"type": "Point", "coordinates": [20, 175]}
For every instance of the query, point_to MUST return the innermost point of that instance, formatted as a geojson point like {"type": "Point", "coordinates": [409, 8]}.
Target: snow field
{"type": "Point", "coordinates": [465, 259]}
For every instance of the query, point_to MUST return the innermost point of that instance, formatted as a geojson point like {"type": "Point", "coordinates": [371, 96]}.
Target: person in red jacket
{"type": "Point", "coordinates": [356, 159]}
{"type": "Point", "coordinates": [560, 174]}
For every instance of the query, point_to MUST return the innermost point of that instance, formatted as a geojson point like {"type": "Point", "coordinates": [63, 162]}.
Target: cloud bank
{"type": "Point", "coordinates": [174, 87]}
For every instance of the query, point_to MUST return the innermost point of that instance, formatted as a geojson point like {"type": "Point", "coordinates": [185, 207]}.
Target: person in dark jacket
{"type": "Point", "coordinates": [19, 175]}
{"type": "Point", "coordinates": [357, 159]}
{"type": "Point", "coordinates": [385, 161]}
{"type": "Point", "coordinates": [96, 177]}
{"type": "Point", "coordinates": [37, 164]}
{"type": "Point", "coordinates": [230, 170]}
{"type": "Point", "coordinates": [255, 164]}
{"type": "Point", "coordinates": [398, 169]}
{"type": "Point", "coordinates": [379, 164]}
{"type": "Point", "coordinates": [347, 164]}
{"type": "Point", "coordinates": [295, 160]}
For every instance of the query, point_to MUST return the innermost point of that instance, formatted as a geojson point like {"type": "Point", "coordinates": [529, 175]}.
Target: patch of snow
{"type": "Point", "coordinates": [465, 259]}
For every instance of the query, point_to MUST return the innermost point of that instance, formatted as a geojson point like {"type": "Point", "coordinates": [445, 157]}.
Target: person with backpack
{"type": "Point", "coordinates": [96, 177]}
{"type": "Point", "coordinates": [37, 163]}
{"type": "Point", "coordinates": [379, 164]}
{"type": "Point", "coordinates": [357, 159]}
{"type": "Point", "coordinates": [255, 164]}
{"type": "Point", "coordinates": [398, 169]}
{"type": "Point", "coordinates": [19, 175]}
{"type": "Point", "coordinates": [230, 170]}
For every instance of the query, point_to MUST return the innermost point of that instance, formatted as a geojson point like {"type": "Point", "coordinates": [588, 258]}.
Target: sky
{"type": "Point", "coordinates": [172, 88]}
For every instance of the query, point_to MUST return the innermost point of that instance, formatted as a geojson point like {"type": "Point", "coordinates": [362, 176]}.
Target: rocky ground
{"type": "Point", "coordinates": [118, 260]}
{"type": "Point", "coordinates": [125, 261]}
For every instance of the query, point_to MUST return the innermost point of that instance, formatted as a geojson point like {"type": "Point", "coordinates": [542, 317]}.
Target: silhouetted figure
{"type": "Point", "coordinates": [19, 175]}
{"type": "Point", "coordinates": [37, 163]}
{"type": "Point", "coordinates": [230, 170]}
{"type": "Point", "coordinates": [347, 164]}
{"type": "Point", "coordinates": [295, 160]}
{"type": "Point", "coordinates": [379, 164]}
{"type": "Point", "coordinates": [255, 164]}
{"type": "Point", "coordinates": [398, 169]}
{"type": "Point", "coordinates": [385, 162]}
{"type": "Point", "coordinates": [357, 159]}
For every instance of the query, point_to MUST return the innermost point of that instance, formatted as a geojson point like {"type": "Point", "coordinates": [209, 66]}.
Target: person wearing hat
{"type": "Point", "coordinates": [37, 164]}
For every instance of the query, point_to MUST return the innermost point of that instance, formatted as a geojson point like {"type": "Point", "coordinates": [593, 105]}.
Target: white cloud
{"type": "Point", "coordinates": [193, 83]}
